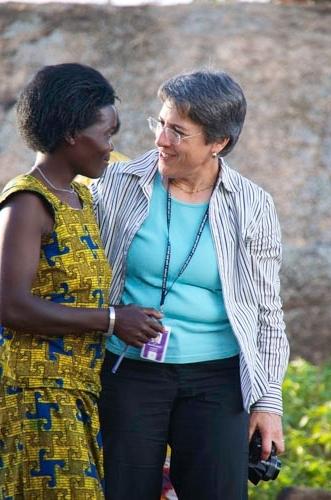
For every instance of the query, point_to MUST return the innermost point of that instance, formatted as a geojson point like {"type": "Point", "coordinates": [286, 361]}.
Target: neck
{"type": "Point", "coordinates": [196, 183]}
{"type": "Point", "coordinates": [48, 165]}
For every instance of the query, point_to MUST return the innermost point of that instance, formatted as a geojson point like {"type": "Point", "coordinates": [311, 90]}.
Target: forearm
{"type": "Point", "coordinates": [272, 344]}
{"type": "Point", "coordinates": [30, 314]}
{"type": "Point", "coordinates": [33, 314]}
{"type": "Point", "coordinates": [273, 349]}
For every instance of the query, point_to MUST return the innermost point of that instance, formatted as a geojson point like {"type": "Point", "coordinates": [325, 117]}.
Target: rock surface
{"type": "Point", "coordinates": [304, 494]}
{"type": "Point", "coordinates": [281, 56]}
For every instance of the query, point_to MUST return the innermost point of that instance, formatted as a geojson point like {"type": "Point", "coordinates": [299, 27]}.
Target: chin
{"type": "Point", "coordinates": [164, 169]}
{"type": "Point", "coordinates": [98, 172]}
{"type": "Point", "coordinates": [161, 168]}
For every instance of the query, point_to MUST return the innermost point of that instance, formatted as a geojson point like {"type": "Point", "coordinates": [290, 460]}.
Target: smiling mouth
{"type": "Point", "coordinates": [165, 156]}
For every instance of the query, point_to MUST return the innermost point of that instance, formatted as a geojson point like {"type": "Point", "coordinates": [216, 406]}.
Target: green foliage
{"type": "Point", "coordinates": [307, 429]}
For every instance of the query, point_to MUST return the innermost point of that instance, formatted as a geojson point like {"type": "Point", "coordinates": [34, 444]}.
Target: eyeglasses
{"type": "Point", "coordinates": [171, 134]}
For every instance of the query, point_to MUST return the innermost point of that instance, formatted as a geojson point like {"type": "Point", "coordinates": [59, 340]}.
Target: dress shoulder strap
{"type": "Point", "coordinates": [27, 182]}
{"type": "Point", "coordinates": [83, 192]}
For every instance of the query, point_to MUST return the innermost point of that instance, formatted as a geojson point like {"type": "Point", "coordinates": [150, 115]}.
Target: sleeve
{"type": "Point", "coordinates": [266, 253]}
{"type": "Point", "coordinates": [101, 187]}
{"type": "Point", "coordinates": [96, 188]}
{"type": "Point", "coordinates": [101, 191]}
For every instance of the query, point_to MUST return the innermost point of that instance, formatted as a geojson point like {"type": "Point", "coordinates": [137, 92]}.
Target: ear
{"type": "Point", "coordinates": [219, 146]}
{"type": "Point", "coordinates": [70, 140]}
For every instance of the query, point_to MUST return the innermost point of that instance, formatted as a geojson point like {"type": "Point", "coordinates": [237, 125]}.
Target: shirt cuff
{"type": "Point", "coordinates": [271, 402]}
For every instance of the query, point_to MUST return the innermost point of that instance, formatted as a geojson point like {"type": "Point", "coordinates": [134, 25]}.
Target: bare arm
{"type": "Point", "coordinates": [23, 221]}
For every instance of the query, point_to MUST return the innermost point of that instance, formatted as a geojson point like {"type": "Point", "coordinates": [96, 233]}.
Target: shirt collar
{"type": "Point", "coordinates": [229, 178]}
{"type": "Point", "coordinates": [142, 166]}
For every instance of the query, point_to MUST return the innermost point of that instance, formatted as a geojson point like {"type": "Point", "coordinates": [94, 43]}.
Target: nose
{"type": "Point", "coordinates": [161, 139]}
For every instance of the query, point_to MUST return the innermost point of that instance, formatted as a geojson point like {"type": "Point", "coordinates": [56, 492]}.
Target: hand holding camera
{"type": "Point", "coordinates": [258, 469]}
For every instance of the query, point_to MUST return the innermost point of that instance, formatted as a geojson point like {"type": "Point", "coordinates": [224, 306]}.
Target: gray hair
{"type": "Point", "coordinates": [211, 99]}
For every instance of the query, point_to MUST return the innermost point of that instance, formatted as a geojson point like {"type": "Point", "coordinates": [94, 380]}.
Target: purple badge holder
{"type": "Point", "coordinates": [155, 350]}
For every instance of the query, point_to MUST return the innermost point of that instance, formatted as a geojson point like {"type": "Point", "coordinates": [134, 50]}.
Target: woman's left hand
{"type": "Point", "coordinates": [270, 428]}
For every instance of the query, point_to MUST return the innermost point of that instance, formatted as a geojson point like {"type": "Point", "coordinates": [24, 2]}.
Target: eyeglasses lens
{"type": "Point", "coordinates": [156, 127]}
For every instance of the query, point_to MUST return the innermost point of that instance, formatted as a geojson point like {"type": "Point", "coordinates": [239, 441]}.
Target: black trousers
{"type": "Point", "coordinates": [196, 408]}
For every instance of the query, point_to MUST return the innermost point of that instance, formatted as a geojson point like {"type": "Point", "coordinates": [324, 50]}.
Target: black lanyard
{"type": "Point", "coordinates": [164, 290]}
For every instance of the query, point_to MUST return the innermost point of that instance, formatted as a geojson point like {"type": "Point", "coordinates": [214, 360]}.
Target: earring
{"type": "Point", "coordinates": [214, 155]}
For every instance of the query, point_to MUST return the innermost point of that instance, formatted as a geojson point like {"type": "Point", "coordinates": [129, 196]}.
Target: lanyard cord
{"type": "Point", "coordinates": [165, 290]}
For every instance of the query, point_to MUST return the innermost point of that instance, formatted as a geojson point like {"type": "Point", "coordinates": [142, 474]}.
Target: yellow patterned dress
{"type": "Point", "coordinates": [50, 443]}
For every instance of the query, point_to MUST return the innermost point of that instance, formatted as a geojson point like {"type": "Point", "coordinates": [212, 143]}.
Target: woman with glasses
{"type": "Point", "coordinates": [54, 282]}
{"type": "Point", "coordinates": [191, 237]}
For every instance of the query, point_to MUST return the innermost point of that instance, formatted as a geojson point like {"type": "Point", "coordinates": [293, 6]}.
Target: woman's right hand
{"type": "Point", "coordinates": [136, 325]}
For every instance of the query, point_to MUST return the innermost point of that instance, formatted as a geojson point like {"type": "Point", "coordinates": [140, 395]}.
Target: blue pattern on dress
{"type": "Point", "coordinates": [56, 346]}
{"type": "Point", "coordinates": [98, 294]}
{"type": "Point", "coordinates": [81, 414]}
{"type": "Point", "coordinates": [43, 412]}
{"type": "Point", "coordinates": [97, 349]}
{"type": "Point", "coordinates": [92, 471]}
{"type": "Point", "coordinates": [12, 389]}
{"type": "Point", "coordinates": [62, 298]}
{"type": "Point", "coordinates": [89, 242]}
{"type": "Point", "coordinates": [52, 249]}
{"type": "Point", "coordinates": [47, 468]}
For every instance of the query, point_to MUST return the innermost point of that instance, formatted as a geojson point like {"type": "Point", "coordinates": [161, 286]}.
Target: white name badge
{"type": "Point", "coordinates": [155, 350]}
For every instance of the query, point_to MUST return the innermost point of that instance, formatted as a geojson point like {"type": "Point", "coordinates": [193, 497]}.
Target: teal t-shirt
{"type": "Point", "coordinates": [194, 307]}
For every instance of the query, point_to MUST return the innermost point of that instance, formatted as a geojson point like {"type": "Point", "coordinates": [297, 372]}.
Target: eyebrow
{"type": "Point", "coordinates": [175, 125]}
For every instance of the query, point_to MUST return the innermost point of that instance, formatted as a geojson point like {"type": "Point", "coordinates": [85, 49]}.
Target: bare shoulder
{"type": "Point", "coordinates": [27, 210]}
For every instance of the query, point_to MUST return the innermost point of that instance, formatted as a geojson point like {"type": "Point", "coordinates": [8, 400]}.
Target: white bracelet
{"type": "Point", "coordinates": [112, 317]}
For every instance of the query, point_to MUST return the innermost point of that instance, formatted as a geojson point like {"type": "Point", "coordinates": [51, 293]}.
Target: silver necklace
{"type": "Point", "coordinates": [174, 183]}
{"type": "Point", "coordinates": [71, 191]}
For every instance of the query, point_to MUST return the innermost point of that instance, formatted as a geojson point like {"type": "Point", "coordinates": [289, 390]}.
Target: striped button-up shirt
{"type": "Point", "coordinates": [246, 234]}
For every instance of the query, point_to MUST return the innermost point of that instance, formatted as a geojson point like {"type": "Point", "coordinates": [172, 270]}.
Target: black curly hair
{"type": "Point", "coordinates": [60, 100]}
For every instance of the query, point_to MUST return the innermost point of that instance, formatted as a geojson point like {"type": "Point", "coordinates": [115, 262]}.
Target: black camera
{"type": "Point", "coordinates": [262, 469]}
